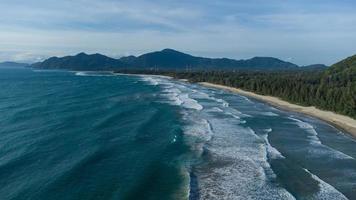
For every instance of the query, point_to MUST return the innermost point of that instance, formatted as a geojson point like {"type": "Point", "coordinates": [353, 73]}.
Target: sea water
{"type": "Point", "coordinates": [87, 135]}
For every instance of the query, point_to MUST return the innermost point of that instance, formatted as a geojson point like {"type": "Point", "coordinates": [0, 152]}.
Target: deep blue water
{"type": "Point", "coordinates": [67, 135]}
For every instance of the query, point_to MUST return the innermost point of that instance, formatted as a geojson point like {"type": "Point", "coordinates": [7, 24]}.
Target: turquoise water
{"type": "Point", "coordinates": [81, 135]}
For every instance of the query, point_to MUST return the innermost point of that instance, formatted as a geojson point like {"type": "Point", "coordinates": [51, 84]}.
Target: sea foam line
{"type": "Point", "coordinates": [93, 73]}
{"type": "Point", "coordinates": [272, 152]}
{"type": "Point", "coordinates": [326, 190]}
{"type": "Point", "coordinates": [316, 141]}
{"type": "Point", "coordinates": [270, 114]}
{"type": "Point", "coordinates": [309, 128]}
{"type": "Point", "coordinates": [176, 94]}
{"type": "Point", "coordinates": [241, 165]}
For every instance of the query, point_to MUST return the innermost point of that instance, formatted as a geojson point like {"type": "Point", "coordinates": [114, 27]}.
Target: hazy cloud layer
{"type": "Point", "coordinates": [302, 31]}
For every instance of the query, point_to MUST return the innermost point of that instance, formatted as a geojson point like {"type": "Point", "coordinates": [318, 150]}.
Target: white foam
{"type": "Point", "coordinates": [309, 128]}
{"type": "Point", "coordinates": [326, 190]}
{"type": "Point", "coordinates": [315, 140]}
{"type": "Point", "coordinates": [201, 129]}
{"type": "Point", "coordinates": [268, 130]}
{"type": "Point", "coordinates": [80, 74]}
{"type": "Point", "coordinates": [172, 94]}
{"type": "Point", "coordinates": [174, 139]}
{"type": "Point", "coordinates": [247, 99]}
{"type": "Point", "coordinates": [271, 114]}
{"type": "Point", "coordinates": [175, 93]}
{"type": "Point", "coordinates": [223, 102]}
{"type": "Point", "coordinates": [93, 73]}
{"type": "Point", "coordinates": [272, 152]}
{"type": "Point", "coordinates": [240, 157]}
{"type": "Point", "coordinates": [216, 109]}
{"type": "Point", "coordinates": [150, 80]}
{"type": "Point", "coordinates": [189, 102]}
{"type": "Point", "coordinates": [233, 115]}
{"type": "Point", "coordinates": [203, 95]}
{"type": "Point", "coordinates": [198, 133]}
{"type": "Point", "coordinates": [238, 166]}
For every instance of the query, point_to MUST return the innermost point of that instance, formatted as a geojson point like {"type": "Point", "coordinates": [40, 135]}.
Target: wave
{"type": "Point", "coordinates": [93, 73]}
{"type": "Point", "coordinates": [80, 74]}
{"type": "Point", "coordinates": [175, 93]}
{"type": "Point", "coordinates": [268, 130]}
{"type": "Point", "coordinates": [245, 98]}
{"type": "Point", "coordinates": [150, 80]}
{"type": "Point", "coordinates": [189, 102]}
{"type": "Point", "coordinates": [272, 152]}
{"type": "Point", "coordinates": [48, 70]}
{"type": "Point", "coordinates": [316, 141]}
{"type": "Point", "coordinates": [201, 129]}
{"type": "Point", "coordinates": [177, 97]}
{"type": "Point", "coordinates": [223, 102]}
{"type": "Point", "coordinates": [326, 191]}
{"type": "Point", "coordinates": [237, 159]}
{"type": "Point", "coordinates": [216, 109]}
{"type": "Point", "coordinates": [205, 135]}
{"type": "Point", "coordinates": [271, 114]}
{"type": "Point", "coordinates": [232, 156]}
{"type": "Point", "coordinates": [204, 95]}
{"type": "Point", "coordinates": [173, 96]}
{"type": "Point", "coordinates": [309, 128]}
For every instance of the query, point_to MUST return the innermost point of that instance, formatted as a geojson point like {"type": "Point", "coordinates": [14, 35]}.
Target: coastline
{"type": "Point", "coordinates": [345, 123]}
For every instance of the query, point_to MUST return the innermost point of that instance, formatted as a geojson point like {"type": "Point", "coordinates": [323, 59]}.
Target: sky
{"type": "Point", "coordinates": [300, 31]}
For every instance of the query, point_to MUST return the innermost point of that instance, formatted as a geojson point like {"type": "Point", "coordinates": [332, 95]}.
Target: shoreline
{"type": "Point", "coordinates": [342, 122]}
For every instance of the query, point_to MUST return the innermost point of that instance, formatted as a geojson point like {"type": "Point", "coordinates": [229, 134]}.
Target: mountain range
{"type": "Point", "coordinates": [165, 59]}
{"type": "Point", "coordinates": [13, 64]}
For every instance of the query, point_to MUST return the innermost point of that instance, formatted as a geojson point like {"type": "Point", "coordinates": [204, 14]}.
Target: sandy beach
{"type": "Point", "coordinates": [343, 122]}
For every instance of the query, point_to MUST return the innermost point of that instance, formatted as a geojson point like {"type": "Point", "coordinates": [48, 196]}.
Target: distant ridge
{"type": "Point", "coordinates": [13, 64]}
{"type": "Point", "coordinates": [172, 59]}
{"type": "Point", "coordinates": [81, 61]}
{"type": "Point", "coordinates": [168, 59]}
{"type": "Point", "coordinates": [315, 67]}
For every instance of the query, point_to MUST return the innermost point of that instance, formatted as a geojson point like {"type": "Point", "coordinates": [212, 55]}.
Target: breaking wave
{"type": "Point", "coordinates": [309, 128]}
{"type": "Point", "coordinates": [326, 191]}
{"type": "Point", "coordinates": [94, 73]}
{"type": "Point", "coordinates": [316, 141]}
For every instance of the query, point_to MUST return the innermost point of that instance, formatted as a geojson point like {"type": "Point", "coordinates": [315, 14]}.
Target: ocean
{"type": "Point", "coordinates": [87, 135]}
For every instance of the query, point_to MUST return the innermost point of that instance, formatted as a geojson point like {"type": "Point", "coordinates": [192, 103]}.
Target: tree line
{"type": "Point", "coordinates": [324, 89]}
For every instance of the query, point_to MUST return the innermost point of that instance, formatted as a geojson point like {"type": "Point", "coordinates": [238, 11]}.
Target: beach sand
{"type": "Point", "coordinates": [340, 121]}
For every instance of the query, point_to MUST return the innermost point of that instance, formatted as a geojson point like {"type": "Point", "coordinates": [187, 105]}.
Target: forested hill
{"type": "Point", "coordinates": [337, 89]}
{"type": "Point", "coordinates": [167, 59]}
{"type": "Point", "coordinates": [333, 89]}
{"type": "Point", "coordinates": [346, 67]}
{"type": "Point", "coordinates": [172, 59]}
{"type": "Point", "coordinates": [81, 61]}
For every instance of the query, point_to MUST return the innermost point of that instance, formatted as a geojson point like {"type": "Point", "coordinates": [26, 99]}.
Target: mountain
{"type": "Point", "coordinates": [314, 67]}
{"type": "Point", "coordinates": [81, 61]}
{"type": "Point", "coordinates": [344, 67]}
{"type": "Point", "coordinates": [172, 59]}
{"type": "Point", "coordinates": [342, 75]}
{"type": "Point", "coordinates": [338, 87]}
{"type": "Point", "coordinates": [13, 64]}
{"type": "Point", "coordinates": [166, 59]}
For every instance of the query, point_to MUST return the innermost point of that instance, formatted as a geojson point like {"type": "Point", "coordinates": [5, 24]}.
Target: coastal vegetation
{"type": "Point", "coordinates": [333, 89]}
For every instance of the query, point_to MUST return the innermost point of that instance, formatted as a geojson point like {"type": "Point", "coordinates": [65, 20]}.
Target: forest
{"type": "Point", "coordinates": [333, 89]}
